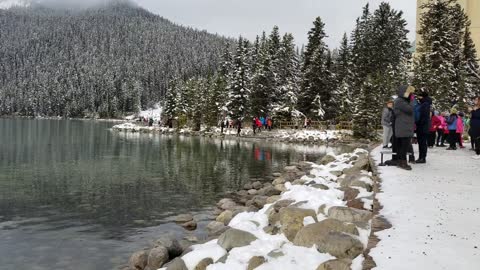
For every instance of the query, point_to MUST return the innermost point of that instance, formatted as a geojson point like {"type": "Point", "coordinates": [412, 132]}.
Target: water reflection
{"type": "Point", "coordinates": [78, 179]}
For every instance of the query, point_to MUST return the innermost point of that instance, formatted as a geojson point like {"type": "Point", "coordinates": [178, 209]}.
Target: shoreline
{"type": "Point", "coordinates": [271, 212]}
{"type": "Point", "coordinates": [294, 136]}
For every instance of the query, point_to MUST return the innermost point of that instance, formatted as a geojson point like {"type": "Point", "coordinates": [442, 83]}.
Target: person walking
{"type": "Point", "coordinates": [259, 125]}
{"type": "Point", "coordinates": [254, 125]}
{"type": "Point", "coordinates": [222, 126]}
{"type": "Point", "coordinates": [387, 119]}
{"type": "Point", "coordinates": [474, 131]}
{"type": "Point", "coordinates": [452, 129]}
{"type": "Point", "coordinates": [404, 124]}
{"type": "Point", "coordinates": [423, 126]}
{"type": "Point", "coordinates": [434, 124]}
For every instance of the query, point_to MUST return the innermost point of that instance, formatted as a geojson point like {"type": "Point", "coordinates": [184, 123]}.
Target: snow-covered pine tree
{"type": "Point", "coordinates": [343, 93]}
{"type": "Point", "coordinates": [239, 83]}
{"type": "Point", "coordinates": [170, 103]}
{"type": "Point", "coordinates": [437, 66]}
{"type": "Point", "coordinates": [365, 117]}
{"type": "Point", "coordinates": [288, 80]}
{"type": "Point", "coordinates": [263, 84]}
{"type": "Point", "coordinates": [472, 68]}
{"type": "Point", "coordinates": [316, 77]}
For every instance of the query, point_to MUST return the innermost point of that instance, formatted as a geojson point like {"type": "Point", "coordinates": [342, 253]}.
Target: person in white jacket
{"type": "Point", "coordinates": [387, 116]}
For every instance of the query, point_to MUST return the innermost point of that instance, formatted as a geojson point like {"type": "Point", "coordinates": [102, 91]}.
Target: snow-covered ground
{"type": "Point", "coordinates": [154, 113]}
{"type": "Point", "coordinates": [293, 257]}
{"type": "Point", "coordinates": [435, 213]}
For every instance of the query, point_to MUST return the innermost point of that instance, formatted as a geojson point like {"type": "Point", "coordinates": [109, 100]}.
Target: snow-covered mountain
{"type": "Point", "coordinates": [4, 4]}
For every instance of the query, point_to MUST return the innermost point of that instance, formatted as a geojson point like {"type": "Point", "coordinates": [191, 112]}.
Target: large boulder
{"type": "Point", "coordinates": [233, 238]}
{"type": "Point", "coordinates": [225, 217]}
{"type": "Point", "coordinates": [257, 185]}
{"type": "Point", "coordinates": [157, 257]}
{"type": "Point", "coordinates": [279, 181]}
{"type": "Point", "coordinates": [226, 204]}
{"type": "Point", "coordinates": [338, 264]}
{"type": "Point", "coordinates": [173, 245]}
{"type": "Point", "coordinates": [259, 201]}
{"type": "Point", "coordinates": [340, 245]}
{"type": "Point", "coordinates": [350, 215]}
{"type": "Point", "coordinates": [361, 164]}
{"type": "Point", "coordinates": [273, 199]}
{"type": "Point", "coordinates": [312, 234]}
{"type": "Point", "coordinates": [177, 264]}
{"type": "Point", "coordinates": [190, 225]}
{"type": "Point", "coordinates": [291, 220]}
{"type": "Point", "coordinates": [138, 260]}
{"type": "Point", "coordinates": [281, 204]}
{"type": "Point", "coordinates": [203, 264]}
{"type": "Point", "coordinates": [255, 262]}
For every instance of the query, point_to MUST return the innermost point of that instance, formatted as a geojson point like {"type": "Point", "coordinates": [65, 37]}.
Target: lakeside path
{"type": "Point", "coordinates": [434, 211]}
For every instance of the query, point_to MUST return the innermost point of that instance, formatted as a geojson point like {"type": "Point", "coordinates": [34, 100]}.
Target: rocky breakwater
{"type": "Point", "coordinates": [311, 216]}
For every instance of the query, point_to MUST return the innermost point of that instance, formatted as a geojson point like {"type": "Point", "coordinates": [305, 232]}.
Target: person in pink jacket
{"type": "Point", "coordinates": [441, 130]}
{"type": "Point", "coordinates": [460, 129]}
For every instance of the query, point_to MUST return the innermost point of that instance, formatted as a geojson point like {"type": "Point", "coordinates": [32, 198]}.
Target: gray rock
{"type": "Point", "coordinates": [255, 262]}
{"type": "Point", "coordinates": [362, 184]}
{"type": "Point", "coordinates": [233, 238]}
{"type": "Point", "coordinates": [273, 199]}
{"type": "Point", "coordinates": [313, 233]}
{"type": "Point", "coordinates": [269, 191]}
{"type": "Point", "coordinates": [338, 264]}
{"type": "Point", "coordinates": [272, 230]}
{"type": "Point", "coordinates": [225, 217]}
{"type": "Point", "coordinates": [252, 192]}
{"type": "Point", "coordinates": [173, 246]}
{"type": "Point", "coordinates": [191, 225]}
{"type": "Point", "coordinates": [281, 204]}
{"type": "Point", "coordinates": [227, 204]}
{"type": "Point", "coordinates": [259, 201]}
{"type": "Point", "coordinates": [291, 169]}
{"type": "Point", "coordinates": [351, 215]}
{"type": "Point", "coordinates": [257, 185]}
{"type": "Point", "coordinates": [157, 257]}
{"type": "Point", "coordinates": [340, 245]}
{"type": "Point", "coordinates": [336, 173]}
{"type": "Point", "coordinates": [299, 182]}
{"type": "Point", "coordinates": [281, 187]}
{"type": "Point", "coordinates": [202, 265]}
{"type": "Point", "coordinates": [216, 228]}
{"type": "Point", "coordinates": [276, 174]}
{"type": "Point", "coordinates": [222, 259]}
{"type": "Point", "coordinates": [183, 218]}
{"type": "Point", "coordinates": [276, 254]}
{"type": "Point", "coordinates": [138, 260]}
{"type": "Point", "coordinates": [320, 186]}
{"type": "Point", "coordinates": [291, 220]}
{"type": "Point", "coordinates": [176, 264]}
{"type": "Point", "coordinates": [248, 186]}
{"type": "Point", "coordinates": [327, 159]}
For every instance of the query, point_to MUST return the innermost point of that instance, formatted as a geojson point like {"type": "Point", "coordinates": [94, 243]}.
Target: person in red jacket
{"type": "Point", "coordinates": [434, 126]}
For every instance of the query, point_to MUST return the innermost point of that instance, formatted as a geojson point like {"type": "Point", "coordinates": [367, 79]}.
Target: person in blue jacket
{"type": "Point", "coordinates": [452, 129]}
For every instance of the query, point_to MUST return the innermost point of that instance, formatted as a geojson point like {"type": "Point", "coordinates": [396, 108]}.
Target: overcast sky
{"type": "Point", "coordinates": [250, 17]}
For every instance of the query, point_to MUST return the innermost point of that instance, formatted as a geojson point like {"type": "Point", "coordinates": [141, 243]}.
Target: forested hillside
{"type": "Point", "coordinates": [101, 61]}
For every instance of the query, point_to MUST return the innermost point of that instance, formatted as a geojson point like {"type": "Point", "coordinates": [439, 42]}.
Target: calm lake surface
{"type": "Point", "coordinates": [76, 195]}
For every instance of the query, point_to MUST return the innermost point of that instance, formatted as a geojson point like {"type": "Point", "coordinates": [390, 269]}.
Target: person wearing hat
{"type": "Point", "coordinates": [404, 124]}
{"type": "Point", "coordinates": [422, 123]}
{"type": "Point", "coordinates": [474, 130]}
{"type": "Point", "coordinates": [387, 121]}
{"type": "Point", "coordinates": [452, 129]}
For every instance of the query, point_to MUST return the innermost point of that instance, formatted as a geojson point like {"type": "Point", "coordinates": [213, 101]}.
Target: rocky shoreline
{"type": "Point", "coordinates": [309, 217]}
{"type": "Point", "coordinates": [303, 136]}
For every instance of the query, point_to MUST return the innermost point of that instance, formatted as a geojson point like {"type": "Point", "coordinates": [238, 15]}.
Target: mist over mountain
{"type": "Point", "coordinates": [108, 58]}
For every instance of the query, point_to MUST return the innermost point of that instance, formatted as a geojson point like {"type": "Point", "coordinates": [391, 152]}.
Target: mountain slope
{"type": "Point", "coordinates": [106, 61]}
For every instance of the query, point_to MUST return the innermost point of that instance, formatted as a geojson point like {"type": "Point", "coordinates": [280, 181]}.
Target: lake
{"type": "Point", "coordinates": [76, 195]}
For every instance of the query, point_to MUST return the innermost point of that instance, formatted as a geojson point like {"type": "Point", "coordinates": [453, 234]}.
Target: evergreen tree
{"type": "Point", "coordinates": [343, 93]}
{"type": "Point", "coordinates": [263, 84]}
{"type": "Point", "coordinates": [471, 66]}
{"type": "Point", "coordinates": [315, 98]}
{"type": "Point", "coordinates": [365, 117]}
{"type": "Point", "coordinates": [238, 86]}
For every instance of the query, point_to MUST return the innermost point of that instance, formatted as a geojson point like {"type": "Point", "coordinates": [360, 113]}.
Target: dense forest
{"type": "Point", "coordinates": [102, 61]}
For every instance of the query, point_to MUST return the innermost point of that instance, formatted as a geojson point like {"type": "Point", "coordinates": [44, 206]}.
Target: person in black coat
{"type": "Point", "coordinates": [423, 126]}
{"type": "Point", "coordinates": [474, 130]}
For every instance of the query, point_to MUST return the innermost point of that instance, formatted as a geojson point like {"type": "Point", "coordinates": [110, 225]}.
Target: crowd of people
{"type": "Point", "coordinates": [410, 119]}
